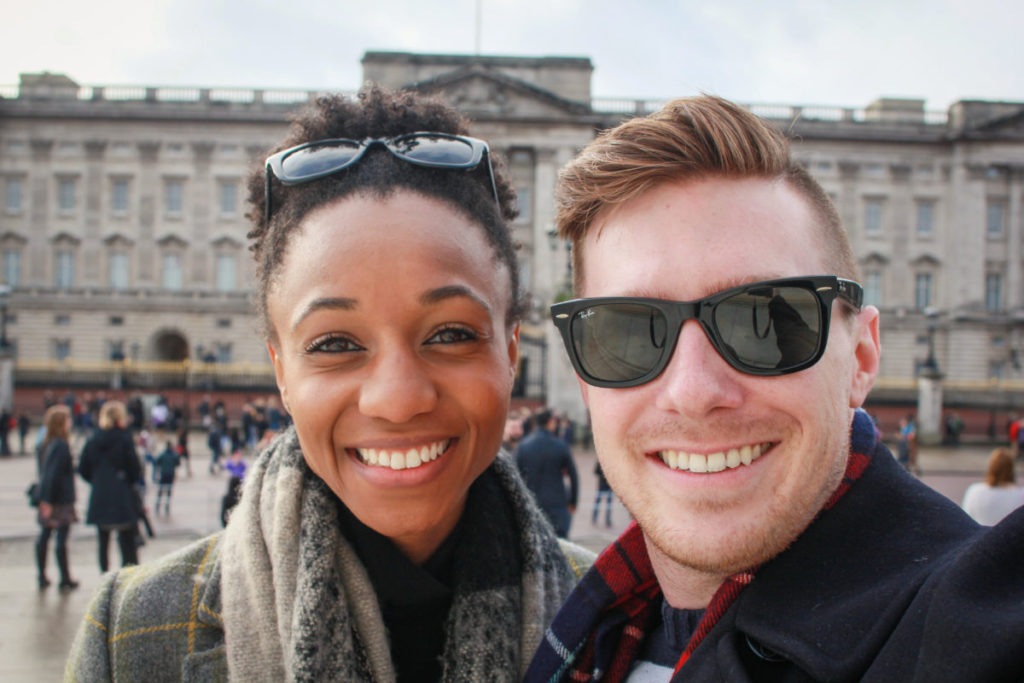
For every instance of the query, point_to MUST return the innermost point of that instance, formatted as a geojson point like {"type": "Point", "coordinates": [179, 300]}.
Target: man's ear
{"type": "Point", "coordinates": [275, 360]}
{"type": "Point", "coordinates": [868, 352]}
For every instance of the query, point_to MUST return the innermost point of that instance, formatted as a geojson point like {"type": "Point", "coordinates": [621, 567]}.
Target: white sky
{"type": "Point", "coordinates": [833, 52]}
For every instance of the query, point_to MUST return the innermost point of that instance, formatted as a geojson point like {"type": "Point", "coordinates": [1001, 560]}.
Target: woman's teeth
{"type": "Point", "coordinates": [713, 462]}
{"type": "Point", "coordinates": [404, 459]}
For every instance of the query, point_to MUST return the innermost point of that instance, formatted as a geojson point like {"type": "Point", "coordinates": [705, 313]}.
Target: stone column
{"type": "Point", "coordinates": [1015, 227]}
{"type": "Point", "coordinates": [929, 407]}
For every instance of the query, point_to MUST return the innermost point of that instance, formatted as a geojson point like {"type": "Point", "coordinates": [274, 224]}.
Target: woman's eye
{"type": "Point", "coordinates": [452, 335]}
{"type": "Point", "coordinates": [333, 344]}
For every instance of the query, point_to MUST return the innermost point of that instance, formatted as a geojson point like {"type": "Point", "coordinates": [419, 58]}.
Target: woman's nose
{"type": "Point", "coordinates": [398, 388]}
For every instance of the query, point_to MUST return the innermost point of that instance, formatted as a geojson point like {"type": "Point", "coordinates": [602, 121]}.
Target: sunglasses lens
{"type": "Point", "coordinates": [435, 150]}
{"type": "Point", "coordinates": [618, 342]}
{"type": "Point", "coordinates": [319, 160]}
{"type": "Point", "coordinates": [769, 328]}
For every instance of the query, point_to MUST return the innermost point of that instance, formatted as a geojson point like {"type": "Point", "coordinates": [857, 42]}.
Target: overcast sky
{"type": "Point", "coordinates": [837, 52]}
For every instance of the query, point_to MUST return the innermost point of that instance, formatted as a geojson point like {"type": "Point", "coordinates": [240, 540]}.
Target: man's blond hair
{"type": "Point", "coordinates": [689, 139]}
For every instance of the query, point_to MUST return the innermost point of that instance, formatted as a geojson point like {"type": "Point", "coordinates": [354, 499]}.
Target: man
{"type": "Point", "coordinates": [545, 461]}
{"type": "Point", "coordinates": [724, 354]}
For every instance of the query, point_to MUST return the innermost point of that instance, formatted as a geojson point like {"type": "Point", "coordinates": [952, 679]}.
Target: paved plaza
{"type": "Point", "coordinates": [37, 627]}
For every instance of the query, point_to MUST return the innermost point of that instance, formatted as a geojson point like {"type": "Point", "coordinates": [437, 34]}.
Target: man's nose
{"type": "Point", "coordinates": [697, 379]}
{"type": "Point", "coordinates": [398, 387]}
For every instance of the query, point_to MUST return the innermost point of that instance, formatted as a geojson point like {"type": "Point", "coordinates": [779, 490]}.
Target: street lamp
{"type": "Point", "coordinates": [5, 297]}
{"type": "Point", "coordinates": [932, 314]}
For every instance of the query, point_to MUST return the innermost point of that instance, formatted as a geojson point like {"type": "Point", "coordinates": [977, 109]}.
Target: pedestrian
{"type": "Point", "coordinates": [214, 442]}
{"type": "Point", "coordinates": [724, 350]}
{"type": "Point", "coordinates": [230, 499]}
{"type": "Point", "coordinates": [6, 423]}
{"type": "Point", "coordinates": [604, 492]}
{"type": "Point", "coordinates": [907, 447]}
{"type": "Point", "coordinates": [989, 501]}
{"type": "Point", "coordinates": [24, 424]}
{"type": "Point", "coordinates": [165, 467]}
{"type": "Point", "coordinates": [236, 465]}
{"type": "Point", "coordinates": [382, 537]}
{"type": "Point", "coordinates": [110, 464]}
{"type": "Point", "coordinates": [182, 448]}
{"type": "Point", "coordinates": [56, 495]}
{"type": "Point", "coordinates": [545, 461]}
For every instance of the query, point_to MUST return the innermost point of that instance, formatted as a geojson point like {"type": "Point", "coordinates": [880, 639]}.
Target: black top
{"type": "Point", "coordinates": [664, 645]}
{"type": "Point", "coordinates": [414, 599]}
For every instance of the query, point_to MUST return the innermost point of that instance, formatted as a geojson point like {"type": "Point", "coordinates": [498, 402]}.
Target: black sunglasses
{"type": "Point", "coordinates": [314, 160]}
{"type": "Point", "coordinates": [773, 327]}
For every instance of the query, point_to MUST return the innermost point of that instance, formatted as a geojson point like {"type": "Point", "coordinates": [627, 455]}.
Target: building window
{"type": "Point", "coordinates": [223, 353]}
{"type": "Point", "coordinates": [994, 218]}
{"type": "Point", "coordinates": [65, 269]}
{"type": "Point", "coordinates": [525, 206]}
{"type": "Point", "coordinates": [226, 267]}
{"type": "Point", "coordinates": [873, 216]}
{"type": "Point", "coordinates": [119, 197]}
{"type": "Point", "coordinates": [228, 198]}
{"type": "Point", "coordinates": [12, 195]}
{"type": "Point", "coordinates": [224, 323]}
{"type": "Point", "coordinates": [174, 197]}
{"type": "Point", "coordinates": [118, 270]}
{"type": "Point", "coordinates": [115, 350]}
{"type": "Point", "coordinates": [116, 320]}
{"type": "Point", "coordinates": [996, 369]}
{"type": "Point", "coordinates": [172, 272]}
{"type": "Point", "coordinates": [61, 349]}
{"type": "Point", "coordinates": [923, 291]}
{"type": "Point", "coordinates": [66, 195]}
{"type": "Point", "coordinates": [61, 319]}
{"type": "Point", "coordinates": [873, 288]}
{"type": "Point", "coordinates": [12, 267]}
{"type": "Point", "coordinates": [994, 292]}
{"type": "Point", "coordinates": [925, 218]}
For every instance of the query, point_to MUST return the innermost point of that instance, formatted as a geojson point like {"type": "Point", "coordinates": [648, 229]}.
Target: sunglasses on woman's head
{"type": "Point", "coordinates": [314, 160]}
{"type": "Point", "coordinates": [767, 328]}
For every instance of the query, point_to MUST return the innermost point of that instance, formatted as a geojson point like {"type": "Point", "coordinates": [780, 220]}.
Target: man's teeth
{"type": "Point", "coordinates": [713, 462]}
{"type": "Point", "coordinates": [404, 459]}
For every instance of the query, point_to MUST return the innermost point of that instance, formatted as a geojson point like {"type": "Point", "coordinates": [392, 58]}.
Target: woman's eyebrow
{"type": "Point", "coordinates": [433, 296]}
{"type": "Point", "coordinates": [337, 303]}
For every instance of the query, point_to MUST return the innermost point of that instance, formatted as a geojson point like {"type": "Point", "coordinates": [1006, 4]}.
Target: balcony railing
{"type": "Point", "coordinates": [146, 375]}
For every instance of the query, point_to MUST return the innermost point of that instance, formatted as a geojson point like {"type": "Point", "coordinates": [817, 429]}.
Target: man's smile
{"type": "Point", "coordinates": [700, 463]}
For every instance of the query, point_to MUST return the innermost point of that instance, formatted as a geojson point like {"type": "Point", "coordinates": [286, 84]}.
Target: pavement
{"type": "Point", "coordinates": [37, 627]}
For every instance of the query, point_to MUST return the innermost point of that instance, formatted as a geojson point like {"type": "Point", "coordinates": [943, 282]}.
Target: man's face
{"type": "Point", "coordinates": [685, 241]}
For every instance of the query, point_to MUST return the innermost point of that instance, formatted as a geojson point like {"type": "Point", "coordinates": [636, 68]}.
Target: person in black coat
{"type": "Point", "coordinates": [109, 462]}
{"type": "Point", "coordinates": [544, 460]}
{"type": "Point", "coordinates": [56, 495]}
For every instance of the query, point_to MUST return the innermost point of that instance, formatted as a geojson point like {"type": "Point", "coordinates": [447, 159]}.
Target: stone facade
{"type": "Point", "coordinates": [123, 235]}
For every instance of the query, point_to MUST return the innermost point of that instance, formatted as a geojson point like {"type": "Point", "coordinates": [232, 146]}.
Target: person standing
{"type": "Point", "coordinates": [165, 466]}
{"type": "Point", "coordinates": [604, 492]}
{"type": "Point", "coordinates": [110, 464]}
{"type": "Point", "coordinates": [56, 495]}
{"type": "Point", "coordinates": [544, 460]}
{"type": "Point", "coordinates": [989, 501]}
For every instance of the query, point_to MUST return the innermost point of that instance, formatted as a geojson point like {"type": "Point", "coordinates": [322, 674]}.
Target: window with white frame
{"type": "Point", "coordinates": [118, 270]}
{"type": "Point", "coordinates": [994, 292]}
{"type": "Point", "coordinates": [223, 352]}
{"type": "Point", "coordinates": [523, 200]}
{"type": "Point", "coordinates": [119, 197]}
{"type": "Point", "coordinates": [995, 217]}
{"type": "Point", "coordinates": [61, 349]}
{"type": "Point", "coordinates": [172, 274]}
{"type": "Point", "coordinates": [922, 290]}
{"type": "Point", "coordinates": [873, 288]}
{"type": "Point", "coordinates": [925, 218]}
{"type": "Point", "coordinates": [174, 196]}
{"type": "Point", "coordinates": [65, 269]}
{"type": "Point", "coordinates": [12, 266]}
{"type": "Point", "coordinates": [228, 197]}
{"type": "Point", "coordinates": [12, 195]}
{"type": "Point", "coordinates": [227, 278]}
{"type": "Point", "coordinates": [873, 207]}
{"type": "Point", "coordinates": [66, 194]}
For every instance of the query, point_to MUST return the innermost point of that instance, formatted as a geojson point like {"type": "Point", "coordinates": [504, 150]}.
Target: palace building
{"type": "Point", "coordinates": [122, 228]}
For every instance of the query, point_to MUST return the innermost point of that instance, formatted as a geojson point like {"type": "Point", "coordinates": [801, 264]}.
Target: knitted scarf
{"type": "Point", "coordinates": [299, 606]}
{"type": "Point", "coordinates": [599, 632]}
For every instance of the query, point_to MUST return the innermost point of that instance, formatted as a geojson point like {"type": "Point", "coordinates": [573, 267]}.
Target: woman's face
{"type": "Point", "coordinates": [393, 356]}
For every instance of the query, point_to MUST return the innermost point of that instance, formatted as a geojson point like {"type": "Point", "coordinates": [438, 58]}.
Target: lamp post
{"type": "Point", "coordinates": [929, 388]}
{"type": "Point", "coordinates": [6, 357]}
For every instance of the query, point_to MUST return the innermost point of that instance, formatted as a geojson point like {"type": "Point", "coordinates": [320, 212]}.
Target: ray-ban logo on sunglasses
{"type": "Point", "coordinates": [589, 313]}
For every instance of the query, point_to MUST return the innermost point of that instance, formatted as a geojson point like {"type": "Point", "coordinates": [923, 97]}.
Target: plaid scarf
{"type": "Point", "coordinates": [598, 633]}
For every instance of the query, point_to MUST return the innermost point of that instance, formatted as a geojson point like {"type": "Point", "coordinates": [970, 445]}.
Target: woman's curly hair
{"type": "Point", "coordinates": [377, 113]}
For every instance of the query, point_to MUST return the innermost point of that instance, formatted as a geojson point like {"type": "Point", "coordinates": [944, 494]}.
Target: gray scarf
{"type": "Point", "coordinates": [298, 604]}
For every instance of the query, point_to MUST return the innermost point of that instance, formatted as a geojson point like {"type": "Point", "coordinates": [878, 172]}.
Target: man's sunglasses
{"type": "Point", "coordinates": [765, 328]}
{"type": "Point", "coordinates": [314, 160]}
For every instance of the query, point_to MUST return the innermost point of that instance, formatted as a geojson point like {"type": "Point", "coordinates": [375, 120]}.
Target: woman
{"type": "Point", "coordinates": [56, 495]}
{"type": "Point", "coordinates": [109, 462]}
{"type": "Point", "coordinates": [989, 501]}
{"type": "Point", "coordinates": [378, 538]}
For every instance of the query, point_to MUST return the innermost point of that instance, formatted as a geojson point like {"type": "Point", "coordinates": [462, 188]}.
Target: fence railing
{"type": "Point", "coordinates": [148, 375]}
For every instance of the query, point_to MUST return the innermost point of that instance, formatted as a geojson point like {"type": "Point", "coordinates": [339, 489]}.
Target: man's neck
{"type": "Point", "coordinates": [683, 587]}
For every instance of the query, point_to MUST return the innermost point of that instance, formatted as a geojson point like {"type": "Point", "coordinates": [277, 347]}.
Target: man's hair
{"type": "Point", "coordinates": [691, 138]}
{"type": "Point", "coordinates": [1000, 468]}
{"type": "Point", "coordinates": [377, 113]}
